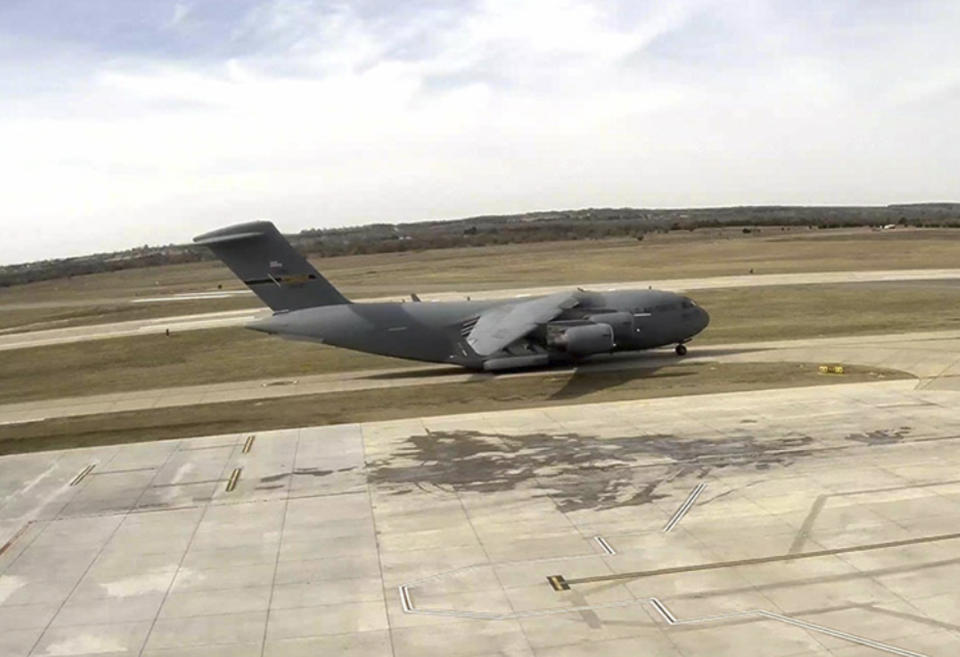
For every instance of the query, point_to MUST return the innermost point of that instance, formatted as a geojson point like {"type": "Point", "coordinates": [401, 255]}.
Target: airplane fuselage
{"type": "Point", "coordinates": [437, 331]}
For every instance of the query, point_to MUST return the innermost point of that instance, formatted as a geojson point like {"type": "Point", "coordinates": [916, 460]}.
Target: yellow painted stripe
{"type": "Point", "coordinates": [558, 583]}
{"type": "Point", "coordinates": [247, 446]}
{"type": "Point", "coordinates": [232, 481]}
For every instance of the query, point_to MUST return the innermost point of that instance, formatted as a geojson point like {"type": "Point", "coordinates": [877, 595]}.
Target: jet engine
{"type": "Point", "coordinates": [582, 339]}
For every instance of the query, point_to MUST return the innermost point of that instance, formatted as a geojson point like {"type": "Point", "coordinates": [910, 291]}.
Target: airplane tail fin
{"type": "Point", "coordinates": [263, 259]}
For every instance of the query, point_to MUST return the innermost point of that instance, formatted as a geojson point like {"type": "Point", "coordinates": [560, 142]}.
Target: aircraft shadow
{"type": "Point", "coordinates": [609, 370]}
{"type": "Point", "coordinates": [585, 383]}
{"type": "Point", "coordinates": [426, 373]}
{"type": "Point", "coordinates": [643, 362]}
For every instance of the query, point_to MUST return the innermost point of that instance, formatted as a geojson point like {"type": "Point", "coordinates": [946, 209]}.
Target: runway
{"type": "Point", "coordinates": [153, 326]}
{"type": "Point", "coordinates": [243, 316]}
{"type": "Point", "coordinates": [933, 357]}
{"type": "Point", "coordinates": [825, 526]}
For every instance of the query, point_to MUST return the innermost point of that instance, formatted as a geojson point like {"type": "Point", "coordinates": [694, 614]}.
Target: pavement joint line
{"type": "Point", "coordinates": [606, 547]}
{"type": "Point", "coordinates": [362, 443]}
{"type": "Point", "coordinates": [685, 507]}
{"type": "Point", "coordinates": [234, 478]}
{"type": "Point", "coordinates": [103, 546]}
{"type": "Point", "coordinates": [83, 473]}
{"type": "Point", "coordinates": [197, 449]}
{"type": "Point", "coordinates": [754, 561]}
{"type": "Point", "coordinates": [193, 535]}
{"type": "Point", "coordinates": [133, 511]}
{"type": "Point", "coordinates": [670, 619]}
{"type": "Point", "coordinates": [248, 445]}
{"type": "Point", "coordinates": [533, 613]}
{"type": "Point", "coordinates": [13, 539]}
{"type": "Point", "coordinates": [107, 472]}
{"type": "Point", "coordinates": [486, 553]}
{"type": "Point", "coordinates": [817, 508]}
{"type": "Point", "coordinates": [283, 529]}
{"type": "Point", "coordinates": [187, 483]}
{"type": "Point", "coordinates": [453, 571]}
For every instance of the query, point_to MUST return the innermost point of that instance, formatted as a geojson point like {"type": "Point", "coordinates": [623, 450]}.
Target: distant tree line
{"type": "Point", "coordinates": [587, 224]}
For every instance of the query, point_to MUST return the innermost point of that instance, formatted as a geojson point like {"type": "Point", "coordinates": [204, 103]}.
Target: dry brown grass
{"type": "Point", "coordinates": [674, 255]}
{"type": "Point", "coordinates": [810, 311]}
{"type": "Point", "coordinates": [235, 354]}
{"type": "Point", "coordinates": [157, 361]}
{"type": "Point", "coordinates": [487, 393]}
{"type": "Point", "coordinates": [19, 320]}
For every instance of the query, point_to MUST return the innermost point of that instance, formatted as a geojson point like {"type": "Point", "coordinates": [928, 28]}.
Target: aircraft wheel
{"type": "Point", "coordinates": [681, 350]}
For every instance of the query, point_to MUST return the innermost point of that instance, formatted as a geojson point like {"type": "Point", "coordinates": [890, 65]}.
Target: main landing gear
{"type": "Point", "coordinates": [681, 349]}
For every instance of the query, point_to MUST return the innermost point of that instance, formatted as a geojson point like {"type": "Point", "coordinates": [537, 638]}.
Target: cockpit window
{"type": "Point", "coordinates": [665, 307]}
{"type": "Point", "coordinates": [687, 303]}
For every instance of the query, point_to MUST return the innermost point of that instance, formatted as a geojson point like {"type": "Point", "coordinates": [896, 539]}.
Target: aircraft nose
{"type": "Point", "coordinates": [703, 319]}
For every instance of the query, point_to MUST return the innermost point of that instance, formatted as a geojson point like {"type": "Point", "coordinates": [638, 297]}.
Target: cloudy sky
{"type": "Point", "coordinates": [124, 123]}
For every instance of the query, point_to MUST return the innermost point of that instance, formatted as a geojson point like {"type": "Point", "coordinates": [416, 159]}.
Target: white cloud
{"type": "Point", "coordinates": [180, 12]}
{"type": "Point", "coordinates": [332, 116]}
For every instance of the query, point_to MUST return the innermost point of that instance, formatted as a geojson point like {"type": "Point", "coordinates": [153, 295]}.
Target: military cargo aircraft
{"type": "Point", "coordinates": [483, 335]}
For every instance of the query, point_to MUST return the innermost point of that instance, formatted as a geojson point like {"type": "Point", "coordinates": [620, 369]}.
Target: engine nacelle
{"type": "Point", "coordinates": [582, 339]}
{"type": "Point", "coordinates": [621, 322]}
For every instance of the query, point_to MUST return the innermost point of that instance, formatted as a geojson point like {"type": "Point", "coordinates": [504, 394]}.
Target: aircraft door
{"type": "Point", "coordinates": [644, 328]}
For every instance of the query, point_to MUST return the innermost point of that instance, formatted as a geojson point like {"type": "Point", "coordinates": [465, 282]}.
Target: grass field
{"type": "Point", "coordinates": [233, 354]}
{"type": "Point", "coordinates": [19, 320]}
{"type": "Point", "coordinates": [157, 361]}
{"type": "Point", "coordinates": [809, 311]}
{"type": "Point", "coordinates": [679, 254]}
{"type": "Point", "coordinates": [487, 394]}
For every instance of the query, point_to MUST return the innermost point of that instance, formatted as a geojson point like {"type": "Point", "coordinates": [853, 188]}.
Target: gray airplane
{"type": "Point", "coordinates": [482, 335]}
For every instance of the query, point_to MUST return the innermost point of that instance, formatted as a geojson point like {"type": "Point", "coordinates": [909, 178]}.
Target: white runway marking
{"type": "Point", "coordinates": [684, 508]}
{"type": "Point", "coordinates": [195, 296]}
{"type": "Point", "coordinates": [405, 600]}
{"type": "Point", "coordinates": [604, 545]}
{"type": "Point", "coordinates": [813, 627]}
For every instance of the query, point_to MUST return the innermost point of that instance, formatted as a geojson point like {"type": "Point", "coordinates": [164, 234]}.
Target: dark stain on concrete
{"type": "Point", "coordinates": [576, 471]}
{"type": "Point", "coordinates": [315, 472]}
{"type": "Point", "coordinates": [312, 472]}
{"type": "Point", "coordinates": [880, 436]}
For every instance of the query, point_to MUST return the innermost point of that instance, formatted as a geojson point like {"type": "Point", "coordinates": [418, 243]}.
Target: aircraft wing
{"type": "Point", "coordinates": [501, 325]}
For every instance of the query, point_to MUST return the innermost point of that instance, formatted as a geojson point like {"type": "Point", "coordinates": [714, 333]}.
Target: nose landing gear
{"type": "Point", "coordinates": [681, 349]}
